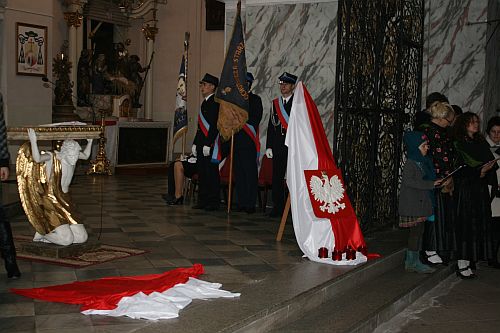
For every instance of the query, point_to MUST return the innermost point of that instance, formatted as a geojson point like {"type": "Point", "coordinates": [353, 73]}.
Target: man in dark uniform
{"type": "Point", "coordinates": [246, 152]}
{"type": "Point", "coordinates": [276, 132]}
{"type": "Point", "coordinates": [204, 145]}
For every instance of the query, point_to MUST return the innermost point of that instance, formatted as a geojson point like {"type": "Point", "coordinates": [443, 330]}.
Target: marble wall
{"type": "Point", "coordinates": [297, 38]}
{"type": "Point", "coordinates": [454, 52]}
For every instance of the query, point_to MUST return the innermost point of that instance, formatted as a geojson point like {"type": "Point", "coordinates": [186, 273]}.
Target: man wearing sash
{"type": "Point", "coordinates": [205, 146]}
{"type": "Point", "coordinates": [246, 154]}
{"type": "Point", "coordinates": [275, 144]}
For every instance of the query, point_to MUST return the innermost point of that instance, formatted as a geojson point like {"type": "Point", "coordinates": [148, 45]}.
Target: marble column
{"type": "Point", "coordinates": [74, 20]}
{"type": "Point", "coordinates": [149, 34]}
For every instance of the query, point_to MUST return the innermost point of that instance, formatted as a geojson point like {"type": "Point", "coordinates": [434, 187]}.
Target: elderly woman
{"type": "Point", "coordinates": [439, 235]}
{"type": "Point", "coordinates": [493, 139]}
{"type": "Point", "coordinates": [473, 219]}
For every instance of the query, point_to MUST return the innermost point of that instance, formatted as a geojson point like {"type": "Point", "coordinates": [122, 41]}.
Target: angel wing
{"type": "Point", "coordinates": [317, 189]}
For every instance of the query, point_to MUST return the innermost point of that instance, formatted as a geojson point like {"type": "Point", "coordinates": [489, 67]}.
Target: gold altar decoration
{"type": "Point", "coordinates": [45, 204]}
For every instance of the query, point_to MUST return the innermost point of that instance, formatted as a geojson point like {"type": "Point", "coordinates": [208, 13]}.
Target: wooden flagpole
{"type": "Point", "coordinates": [230, 189]}
{"type": "Point", "coordinates": [284, 217]}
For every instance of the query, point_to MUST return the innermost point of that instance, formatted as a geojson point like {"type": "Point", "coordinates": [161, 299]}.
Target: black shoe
{"type": "Point", "coordinates": [464, 277]}
{"type": "Point", "coordinates": [12, 271]}
{"type": "Point", "coordinates": [198, 207]}
{"type": "Point", "coordinates": [176, 201]}
{"type": "Point", "coordinates": [166, 197]}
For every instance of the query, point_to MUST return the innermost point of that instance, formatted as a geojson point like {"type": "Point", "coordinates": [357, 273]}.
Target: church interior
{"type": "Point", "coordinates": [114, 65]}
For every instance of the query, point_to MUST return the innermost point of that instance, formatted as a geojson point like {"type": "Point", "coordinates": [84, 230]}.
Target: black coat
{"type": "Point", "coordinates": [210, 110]}
{"type": "Point", "coordinates": [242, 139]}
{"type": "Point", "coordinates": [276, 133]}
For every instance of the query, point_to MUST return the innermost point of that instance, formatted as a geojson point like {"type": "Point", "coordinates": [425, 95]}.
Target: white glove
{"type": "Point", "coordinates": [269, 153]}
{"type": "Point", "coordinates": [206, 151]}
{"type": "Point", "coordinates": [193, 150]}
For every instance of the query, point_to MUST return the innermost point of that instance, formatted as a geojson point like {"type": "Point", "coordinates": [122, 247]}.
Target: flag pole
{"type": "Point", "coordinates": [284, 217]}
{"type": "Point", "coordinates": [230, 192]}
{"type": "Point", "coordinates": [186, 62]}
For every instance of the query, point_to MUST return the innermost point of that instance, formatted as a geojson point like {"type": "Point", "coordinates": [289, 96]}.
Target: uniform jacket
{"type": "Point", "coordinates": [242, 139]}
{"type": "Point", "coordinates": [276, 134]}
{"type": "Point", "coordinates": [210, 110]}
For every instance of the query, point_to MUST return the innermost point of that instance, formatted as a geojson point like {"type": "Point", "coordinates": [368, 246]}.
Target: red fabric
{"type": "Point", "coordinates": [345, 227]}
{"type": "Point", "coordinates": [266, 172]}
{"type": "Point", "coordinates": [104, 294]}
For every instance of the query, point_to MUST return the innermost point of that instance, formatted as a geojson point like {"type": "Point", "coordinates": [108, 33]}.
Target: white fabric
{"type": "Point", "coordinates": [206, 151]}
{"type": "Point", "coordinates": [193, 150]}
{"type": "Point", "coordinates": [269, 153]}
{"type": "Point", "coordinates": [312, 233]}
{"type": "Point", "coordinates": [165, 305]}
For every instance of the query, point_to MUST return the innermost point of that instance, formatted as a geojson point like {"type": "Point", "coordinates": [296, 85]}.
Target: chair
{"type": "Point", "coordinates": [190, 186]}
{"type": "Point", "coordinates": [265, 181]}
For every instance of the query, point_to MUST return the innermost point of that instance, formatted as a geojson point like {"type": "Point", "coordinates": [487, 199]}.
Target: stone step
{"type": "Point", "coordinates": [280, 297]}
{"type": "Point", "coordinates": [367, 305]}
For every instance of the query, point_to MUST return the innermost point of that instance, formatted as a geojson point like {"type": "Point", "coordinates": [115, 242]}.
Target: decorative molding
{"type": "Point", "coordinates": [149, 32]}
{"type": "Point", "coordinates": [73, 19]}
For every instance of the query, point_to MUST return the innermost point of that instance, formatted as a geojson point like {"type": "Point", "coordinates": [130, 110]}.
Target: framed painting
{"type": "Point", "coordinates": [31, 49]}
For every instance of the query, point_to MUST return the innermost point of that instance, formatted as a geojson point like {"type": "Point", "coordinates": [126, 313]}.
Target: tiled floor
{"type": "Point", "coordinates": [236, 250]}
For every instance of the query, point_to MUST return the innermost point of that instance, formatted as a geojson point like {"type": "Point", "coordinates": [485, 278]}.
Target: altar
{"type": "Point", "coordinates": [140, 143]}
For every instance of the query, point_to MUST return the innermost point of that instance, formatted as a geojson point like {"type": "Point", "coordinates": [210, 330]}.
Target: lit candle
{"type": "Point", "coordinates": [62, 56]}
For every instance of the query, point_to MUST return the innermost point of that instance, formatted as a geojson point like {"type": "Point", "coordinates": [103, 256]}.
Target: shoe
{"type": "Point", "coordinates": [413, 264]}
{"type": "Point", "coordinates": [166, 197]}
{"type": "Point", "coordinates": [431, 258]}
{"type": "Point", "coordinates": [211, 208]}
{"type": "Point", "coordinates": [176, 201]}
{"type": "Point", "coordinates": [12, 271]}
{"type": "Point", "coordinates": [198, 207]}
{"type": "Point", "coordinates": [462, 276]}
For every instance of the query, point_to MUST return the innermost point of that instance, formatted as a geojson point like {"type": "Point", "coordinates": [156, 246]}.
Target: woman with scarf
{"type": "Point", "coordinates": [416, 198]}
{"type": "Point", "coordinates": [473, 220]}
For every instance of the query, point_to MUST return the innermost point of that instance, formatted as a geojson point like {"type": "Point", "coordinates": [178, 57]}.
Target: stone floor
{"type": "Point", "coordinates": [236, 249]}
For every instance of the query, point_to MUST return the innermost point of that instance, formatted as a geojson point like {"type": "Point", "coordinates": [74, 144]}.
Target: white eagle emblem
{"type": "Point", "coordinates": [328, 191]}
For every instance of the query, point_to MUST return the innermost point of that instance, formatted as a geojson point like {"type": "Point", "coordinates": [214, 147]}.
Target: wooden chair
{"type": "Point", "coordinates": [265, 181]}
{"type": "Point", "coordinates": [224, 179]}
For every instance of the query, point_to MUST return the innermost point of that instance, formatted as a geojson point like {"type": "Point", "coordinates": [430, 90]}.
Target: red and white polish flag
{"type": "Point", "coordinates": [325, 224]}
{"type": "Point", "coordinates": [152, 296]}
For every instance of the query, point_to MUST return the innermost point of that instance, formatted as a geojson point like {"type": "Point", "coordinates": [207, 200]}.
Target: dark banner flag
{"type": "Point", "coordinates": [180, 116]}
{"type": "Point", "coordinates": [232, 93]}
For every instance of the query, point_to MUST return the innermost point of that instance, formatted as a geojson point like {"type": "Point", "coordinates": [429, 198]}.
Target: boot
{"type": "Point", "coordinates": [410, 261]}
{"type": "Point", "coordinates": [413, 264]}
{"type": "Point", "coordinates": [7, 248]}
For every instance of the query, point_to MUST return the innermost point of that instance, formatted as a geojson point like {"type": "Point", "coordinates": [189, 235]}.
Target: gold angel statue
{"type": "Point", "coordinates": [43, 181]}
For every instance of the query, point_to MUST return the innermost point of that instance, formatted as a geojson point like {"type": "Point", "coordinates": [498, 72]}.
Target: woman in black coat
{"type": "Point", "coordinates": [473, 210]}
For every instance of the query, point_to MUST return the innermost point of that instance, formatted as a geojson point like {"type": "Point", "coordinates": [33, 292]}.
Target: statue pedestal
{"type": "Point", "coordinates": [58, 251]}
{"type": "Point", "coordinates": [63, 113]}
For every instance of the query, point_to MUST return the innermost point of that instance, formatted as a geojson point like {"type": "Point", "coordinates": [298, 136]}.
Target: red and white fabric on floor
{"type": "Point", "coordinates": [326, 227]}
{"type": "Point", "coordinates": [153, 296]}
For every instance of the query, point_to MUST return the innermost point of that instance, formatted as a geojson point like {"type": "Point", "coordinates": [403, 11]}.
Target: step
{"type": "Point", "coordinates": [367, 305]}
{"type": "Point", "coordinates": [279, 298]}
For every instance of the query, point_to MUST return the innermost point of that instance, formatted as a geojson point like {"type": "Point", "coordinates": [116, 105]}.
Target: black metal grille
{"type": "Point", "coordinates": [379, 62]}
